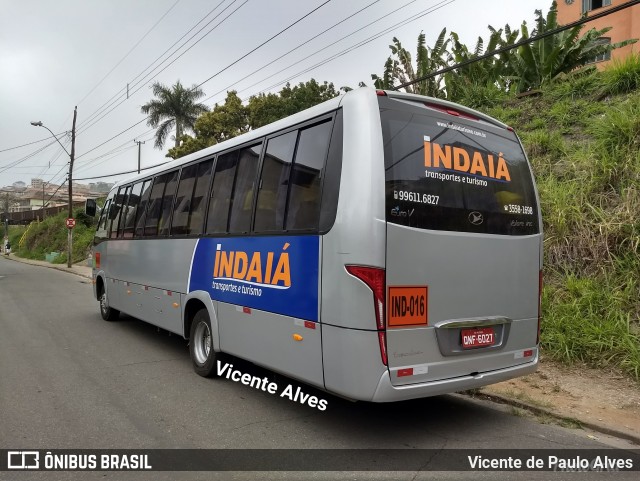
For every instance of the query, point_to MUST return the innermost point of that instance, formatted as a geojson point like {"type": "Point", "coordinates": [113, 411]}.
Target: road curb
{"type": "Point", "coordinates": [601, 428]}
{"type": "Point", "coordinates": [51, 266]}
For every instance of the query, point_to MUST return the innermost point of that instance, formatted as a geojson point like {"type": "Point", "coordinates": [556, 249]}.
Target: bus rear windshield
{"type": "Point", "coordinates": [462, 175]}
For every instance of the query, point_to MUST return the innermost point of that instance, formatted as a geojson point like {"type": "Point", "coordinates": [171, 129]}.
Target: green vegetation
{"type": "Point", "coordinates": [15, 233]}
{"type": "Point", "coordinates": [233, 118]}
{"type": "Point", "coordinates": [174, 107]}
{"type": "Point", "coordinates": [584, 145]}
{"type": "Point", "coordinates": [524, 69]}
{"type": "Point", "coordinates": [50, 235]}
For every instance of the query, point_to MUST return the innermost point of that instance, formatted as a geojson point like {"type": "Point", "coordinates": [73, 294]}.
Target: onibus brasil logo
{"type": "Point", "coordinates": [255, 270]}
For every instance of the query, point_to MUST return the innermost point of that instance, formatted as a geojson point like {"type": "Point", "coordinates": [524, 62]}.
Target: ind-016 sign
{"type": "Point", "coordinates": [274, 274]}
{"type": "Point", "coordinates": [407, 306]}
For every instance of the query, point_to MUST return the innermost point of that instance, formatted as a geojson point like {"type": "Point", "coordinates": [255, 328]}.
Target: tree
{"type": "Point", "coordinates": [223, 122]}
{"type": "Point", "coordinates": [7, 200]}
{"type": "Point", "coordinates": [399, 66]}
{"type": "Point", "coordinates": [539, 62]}
{"type": "Point", "coordinates": [173, 107]}
{"type": "Point", "coordinates": [233, 118]}
{"type": "Point", "coordinates": [266, 108]}
{"type": "Point", "coordinates": [483, 82]}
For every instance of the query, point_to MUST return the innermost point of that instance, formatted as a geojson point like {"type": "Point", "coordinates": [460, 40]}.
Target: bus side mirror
{"type": "Point", "coordinates": [90, 207]}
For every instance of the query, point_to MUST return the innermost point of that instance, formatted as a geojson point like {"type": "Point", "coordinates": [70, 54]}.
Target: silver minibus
{"type": "Point", "coordinates": [380, 246]}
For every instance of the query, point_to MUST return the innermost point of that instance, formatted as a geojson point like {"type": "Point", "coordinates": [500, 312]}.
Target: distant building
{"type": "Point", "coordinates": [40, 192]}
{"type": "Point", "coordinates": [624, 24]}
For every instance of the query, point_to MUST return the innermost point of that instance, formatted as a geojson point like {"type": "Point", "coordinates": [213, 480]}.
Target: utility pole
{"type": "Point", "coordinates": [71, 157]}
{"type": "Point", "coordinates": [138, 142]}
{"type": "Point", "coordinates": [6, 217]}
{"type": "Point", "coordinates": [43, 201]}
{"type": "Point", "coordinates": [70, 178]}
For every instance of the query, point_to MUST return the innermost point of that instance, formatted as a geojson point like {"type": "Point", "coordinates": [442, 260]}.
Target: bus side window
{"type": "Point", "coordinates": [123, 211]}
{"type": "Point", "coordinates": [101, 229]}
{"type": "Point", "coordinates": [221, 192]}
{"type": "Point", "coordinates": [155, 206]}
{"type": "Point", "coordinates": [182, 206]}
{"type": "Point", "coordinates": [132, 208]}
{"type": "Point", "coordinates": [198, 202]}
{"type": "Point", "coordinates": [114, 213]}
{"type": "Point", "coordinates": [167, 204]}
{"type": "Point", "coordinates": [142, 207]}
{"type": "Point", "coordinates": [274, 182]}
{"type": "Point", "coordinates": [303, 209]}
{"type": "Point", "coordinates": [242, 200]}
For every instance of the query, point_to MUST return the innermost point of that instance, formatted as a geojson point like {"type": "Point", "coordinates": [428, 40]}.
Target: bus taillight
{"type": "Point", "coordinates": [374, 278]}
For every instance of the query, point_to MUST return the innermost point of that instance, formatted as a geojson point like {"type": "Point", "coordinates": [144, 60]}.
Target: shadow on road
{"type": "Point", "coordinates": [439, 419]}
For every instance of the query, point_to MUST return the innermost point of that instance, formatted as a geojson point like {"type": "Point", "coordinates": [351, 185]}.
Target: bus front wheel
{"type": "Point", "coordinates": [203, 356]}
{"type": "Point", "coordinates": [108, 313]}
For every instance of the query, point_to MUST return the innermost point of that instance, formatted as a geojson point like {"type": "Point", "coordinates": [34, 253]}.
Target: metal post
{"type": "Point", "coordinates": [139, 142]}
{"type": "Point", "coordinates": [71, 157]}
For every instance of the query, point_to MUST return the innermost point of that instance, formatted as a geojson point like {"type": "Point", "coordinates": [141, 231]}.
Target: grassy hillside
{"type": "Point", "coordinates": [50, 235]}
{"type": "Point", "coordinates": [582, 135]}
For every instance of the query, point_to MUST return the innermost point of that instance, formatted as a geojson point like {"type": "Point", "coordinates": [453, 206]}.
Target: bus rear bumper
{"type": "Point", "coordinates": [386, 392]}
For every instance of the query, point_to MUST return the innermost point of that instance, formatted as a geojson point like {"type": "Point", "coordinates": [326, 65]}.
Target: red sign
{"type": "Point", "coordinates": [71, 223]}
{"type": "Point", "coordinates": [407, 306]}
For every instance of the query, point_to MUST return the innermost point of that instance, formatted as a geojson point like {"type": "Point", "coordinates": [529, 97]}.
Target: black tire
{"type": "Point", "coordinates": [108, 313]}
{"type": "Point", "coordinates": [203, 357]}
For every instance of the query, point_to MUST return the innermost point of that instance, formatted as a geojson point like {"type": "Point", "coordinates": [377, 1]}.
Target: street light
{"type": "Point", "coordinates": [70, 178]}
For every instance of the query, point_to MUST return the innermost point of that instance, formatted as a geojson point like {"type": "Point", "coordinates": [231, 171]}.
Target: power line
{"type": "Point", "coordinates": [127, 172]}
{"type": "Point", "coordinates": [110, 139]}
{"type": "Point", "coordinates": [263, 43]}
{"type": "Point", "coordinates": [26, 157]}
{"type": "Point", "coordinates": [412, 18]}
{"type": "Point", "coordinates": [30, 143]}
{"type": "Point", "coordinates": [231, 64]}
{"type": "Point", "coordinates": [111, 154]}
{"type": "Point", "coordinates": [299, 46]}
{"type": "Point", "coordinates": [57, 173]}
{"type": "Point", "coordinates": [56, 191]}
{"type": "Point", "coordinates": [168, 65]}
{"type": "Point", "coordinates": [117, 96]}
{"type": "Point", "coordinates": [526, 41]}
{"type": "Point", "coordinates": [219, 72]}
{"type": "Point", "coordinates": [129, 52]}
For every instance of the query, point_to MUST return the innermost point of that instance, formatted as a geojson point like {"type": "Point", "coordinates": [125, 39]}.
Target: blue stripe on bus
{"type": "Point", "coordinates": [275, 274]}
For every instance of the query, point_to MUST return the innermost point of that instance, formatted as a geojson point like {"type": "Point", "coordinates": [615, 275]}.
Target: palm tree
{"type": "Point", "coordinates": [173, 107]}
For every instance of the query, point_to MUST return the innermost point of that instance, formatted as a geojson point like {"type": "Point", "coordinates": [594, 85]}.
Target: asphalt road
{"type": "Point", "coordinates": [70, 380]}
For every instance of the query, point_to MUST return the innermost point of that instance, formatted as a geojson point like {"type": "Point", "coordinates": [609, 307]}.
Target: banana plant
{"type": "Point", "coordinates": [399, 69]}
{"type": "Point", "coordinates": [537, 63]}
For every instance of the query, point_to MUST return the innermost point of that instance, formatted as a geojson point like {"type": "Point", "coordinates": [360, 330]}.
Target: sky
{"type": "Point", "coordinates": [55, 55]}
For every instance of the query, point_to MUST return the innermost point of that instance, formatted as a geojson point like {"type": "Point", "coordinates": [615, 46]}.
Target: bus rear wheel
{"type": "Point", "coordinates": [203, 357]}
{"type": "Point", "coordinates": [108, 313]}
